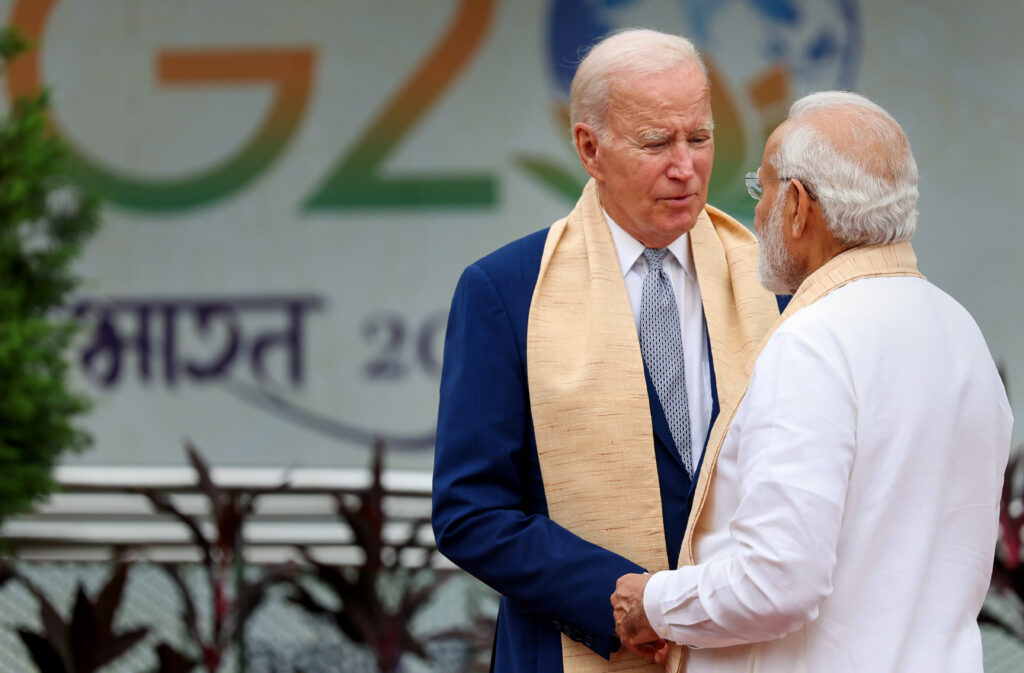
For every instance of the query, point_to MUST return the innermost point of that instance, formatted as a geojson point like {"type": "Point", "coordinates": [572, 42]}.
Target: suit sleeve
{"type": "Point", "coordinates": [489, 514]}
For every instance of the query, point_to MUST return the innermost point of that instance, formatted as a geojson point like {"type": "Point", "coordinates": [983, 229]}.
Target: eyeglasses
{"type": "Point", "coordinates": [755, 189]}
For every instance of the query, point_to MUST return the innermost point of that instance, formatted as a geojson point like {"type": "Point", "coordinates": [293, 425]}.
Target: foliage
{"type": "Point", "coordinates": [233, 599]}
{"type": "Point", "coordinates": [1008, 568]}
{"type": "Point", "coordinates": [88, 641]}
{"type": "Point", "coordinates": [376, 601]}
{"type": "Point", "coordinates": [43, 225]}
{"type": "Point", "coordinates": [372, 604]}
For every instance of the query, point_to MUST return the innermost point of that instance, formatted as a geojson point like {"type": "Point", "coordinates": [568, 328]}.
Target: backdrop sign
{"type": "Point", "coordinates": [292, 189]}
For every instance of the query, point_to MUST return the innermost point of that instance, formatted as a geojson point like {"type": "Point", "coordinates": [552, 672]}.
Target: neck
{"type": "Point", "coordinates": [821, 246]}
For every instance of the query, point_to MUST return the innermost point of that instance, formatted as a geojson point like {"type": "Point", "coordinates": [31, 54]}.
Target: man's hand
{"type": "Point", "coordinates": [631, 625]}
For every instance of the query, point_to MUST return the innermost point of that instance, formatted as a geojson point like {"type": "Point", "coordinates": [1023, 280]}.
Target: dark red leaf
{"type": "Point", "coordinates": [173, 661]}
{"type": "Point", "coordinates": [43, 653]}
{"type": "Point", "coordinates": [109, 599]}
{"type": "Point", "coordinates": [162, 503]}
{"type": "Point", "coordinates": [85, 634]}
{"type": "Point", "coordinates": [203, 480]}
{"type": "Point", "coordinates": [229, 527]}
{"type": "Point", "coordinates": [55, 630]}
{"type": "Point", "coordinates": [120, 644]}
{"type": "Point", "coordinates": [6, 574]}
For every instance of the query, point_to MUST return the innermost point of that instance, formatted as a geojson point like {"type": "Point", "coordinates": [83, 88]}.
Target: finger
{"type": "Point", "coordinates": [650, 652]}
{"type": "Point", "coordinates": [661, 656]}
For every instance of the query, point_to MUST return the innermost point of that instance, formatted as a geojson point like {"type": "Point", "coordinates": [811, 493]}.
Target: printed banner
{"type": "Point", "coordinates": [293, 188]}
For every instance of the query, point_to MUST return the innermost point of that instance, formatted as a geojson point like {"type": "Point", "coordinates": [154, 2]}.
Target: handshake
{"type": "Point", "coordinates": [631, 625]}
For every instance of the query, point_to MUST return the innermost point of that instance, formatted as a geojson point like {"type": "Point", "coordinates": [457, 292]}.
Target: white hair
{"type": "Point", "coordinates": [633, 52]}
{"type": "Point", "coordinates": [777, 270]}
{"type": "Point", "coordinates": [861, 170]}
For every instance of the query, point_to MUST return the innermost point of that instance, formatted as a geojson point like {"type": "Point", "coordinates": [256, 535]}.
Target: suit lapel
{"type": "Point", "coordinates": [660, 422]}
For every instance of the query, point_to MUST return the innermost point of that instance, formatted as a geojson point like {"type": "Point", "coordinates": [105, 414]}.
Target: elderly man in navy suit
{"type": "Point", "coordinates": [584, 364]}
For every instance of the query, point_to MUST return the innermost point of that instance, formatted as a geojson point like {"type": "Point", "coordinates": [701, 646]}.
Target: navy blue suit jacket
{"type": "Point", "coordinates": [489, 511]}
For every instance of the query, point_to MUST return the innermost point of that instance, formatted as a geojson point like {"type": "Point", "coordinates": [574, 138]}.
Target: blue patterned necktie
{"type": "Point", "coordinates": [661, 343]}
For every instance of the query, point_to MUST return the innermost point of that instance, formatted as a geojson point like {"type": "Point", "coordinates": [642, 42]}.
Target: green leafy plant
{"type": "Point", "coordinates": [233, 599]}
{"type": "Point", "coordinates": [88, 640]}
{"type": "Point", "coordinates": [44, 223]}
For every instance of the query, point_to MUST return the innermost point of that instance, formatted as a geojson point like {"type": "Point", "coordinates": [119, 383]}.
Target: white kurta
{"type": "Point", "coordinates": [853, 518]}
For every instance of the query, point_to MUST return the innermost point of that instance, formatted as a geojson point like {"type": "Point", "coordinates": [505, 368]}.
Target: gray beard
{"type": "Point", "coordinates": [776, 269]}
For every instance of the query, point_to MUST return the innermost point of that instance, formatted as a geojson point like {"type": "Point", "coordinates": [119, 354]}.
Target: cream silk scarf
{"type": "Point", "coordinates": [588, 395]}
{"type": "Point", "coordinates": [896, 259]}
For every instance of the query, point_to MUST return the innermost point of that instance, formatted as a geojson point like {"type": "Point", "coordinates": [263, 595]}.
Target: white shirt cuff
{"type": "Point", "coordinates": [652, 602]}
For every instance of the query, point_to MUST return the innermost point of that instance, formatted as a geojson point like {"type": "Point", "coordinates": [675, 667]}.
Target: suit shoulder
{"type": "Point", "coordinates": [505, 278]}
{"type": "Point", "coordinates": [527, 248]}
{"type": "Point", "coordinates": [515, 264]}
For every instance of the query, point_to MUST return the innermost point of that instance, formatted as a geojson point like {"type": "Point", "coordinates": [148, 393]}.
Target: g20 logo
{"type": "Point", "coordinates": [761, 54]}
{"type": "Point", "coordinates": [355, 180]}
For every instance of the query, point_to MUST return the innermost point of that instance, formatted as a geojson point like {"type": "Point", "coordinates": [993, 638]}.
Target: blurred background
{"type": "Point", "coordinates": [290, 190]}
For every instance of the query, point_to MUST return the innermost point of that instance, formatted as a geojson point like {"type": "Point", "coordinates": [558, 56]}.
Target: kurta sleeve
{"type": "Point", "coordinates": [794, 451]}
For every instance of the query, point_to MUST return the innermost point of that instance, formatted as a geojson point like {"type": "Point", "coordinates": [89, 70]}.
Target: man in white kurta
{"type": "Point", "coordinates": [849, 520]}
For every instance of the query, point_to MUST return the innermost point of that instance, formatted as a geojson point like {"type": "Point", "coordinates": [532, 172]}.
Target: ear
{"type": "Point", "coordinates": [587, 146]}
{"type": "Point", "coordinates": [801, 206]}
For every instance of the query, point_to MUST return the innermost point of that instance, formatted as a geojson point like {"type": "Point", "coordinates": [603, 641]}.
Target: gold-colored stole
{"type": "Point", "coordinates": [588, 395]}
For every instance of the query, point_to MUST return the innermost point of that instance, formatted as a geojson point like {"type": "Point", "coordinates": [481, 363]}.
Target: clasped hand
{"type": "Point", "coordinates": [631, 624]}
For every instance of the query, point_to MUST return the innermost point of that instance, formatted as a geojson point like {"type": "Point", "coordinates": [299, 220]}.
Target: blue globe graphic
{"type": "Point", "coordinates": [817, 40]}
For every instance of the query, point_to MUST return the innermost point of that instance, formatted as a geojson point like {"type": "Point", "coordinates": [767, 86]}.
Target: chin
{"type": "Point", "coordinates": [773, 285]}
{"type": "Point", "coordinates": [775, 282]}
{"type": "Point", "coordinates": [679, 226]}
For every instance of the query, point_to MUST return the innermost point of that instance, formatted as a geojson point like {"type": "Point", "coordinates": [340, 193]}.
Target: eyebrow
{"type": "Point", "coordinates": [648, 136]}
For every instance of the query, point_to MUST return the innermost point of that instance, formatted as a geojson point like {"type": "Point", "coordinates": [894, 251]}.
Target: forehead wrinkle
{"type": "Point", "coordinates": [625, 94]}
{"type": "Point", "coordinates": [638, 116]}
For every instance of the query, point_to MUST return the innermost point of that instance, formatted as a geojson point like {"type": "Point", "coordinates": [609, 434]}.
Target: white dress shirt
{"type": "Point", "coordinates": [853, 517]}
{"type": "Point", "coordinates": [683, 276]}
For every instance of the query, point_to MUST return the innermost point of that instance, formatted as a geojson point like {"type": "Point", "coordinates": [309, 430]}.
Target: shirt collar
{"type": "Point", "coordinates": [630, 249]}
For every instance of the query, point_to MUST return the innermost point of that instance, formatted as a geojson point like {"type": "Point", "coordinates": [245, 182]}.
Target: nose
{"type": "Point", "coordinates": [681, 162]}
